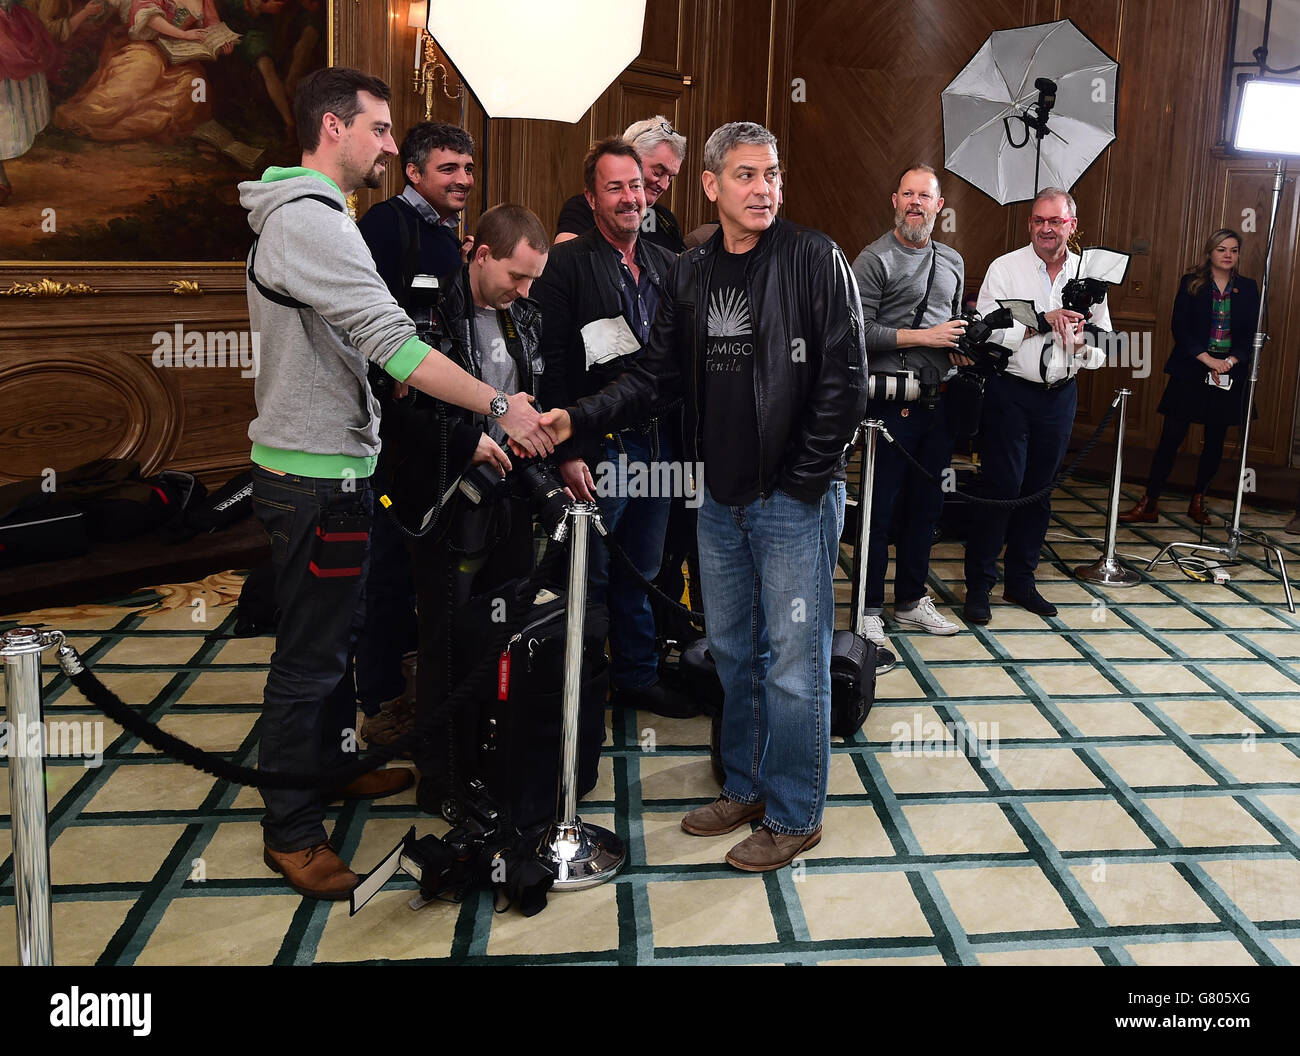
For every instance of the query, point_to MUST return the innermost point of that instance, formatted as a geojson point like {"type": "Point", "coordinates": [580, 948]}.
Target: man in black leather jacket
{"type": "Point", "coordinates": [760, 332]}
{"type": "Point", "coordinates": [480, 317]}
{"type": "Point", "coordinates": [599, 295]}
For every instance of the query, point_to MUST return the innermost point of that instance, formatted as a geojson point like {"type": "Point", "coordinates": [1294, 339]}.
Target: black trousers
{"type": "Point", "coordinates": [1171, 438]}
{"type": "Point", "coordinates": [1022, 442]}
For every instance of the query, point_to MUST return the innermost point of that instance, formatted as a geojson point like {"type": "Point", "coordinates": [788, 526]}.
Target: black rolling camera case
{"type": "Point", "coordinates": [517, 744]}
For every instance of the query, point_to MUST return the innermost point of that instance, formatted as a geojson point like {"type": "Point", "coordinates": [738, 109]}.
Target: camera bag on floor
{"type": "Point", "coordinates": [516, 731]}
{"type": "Point", "coordinates": [47, 532]}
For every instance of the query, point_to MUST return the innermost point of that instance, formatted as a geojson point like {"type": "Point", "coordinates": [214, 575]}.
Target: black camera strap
{"type": "Point", "coordinates": [929, 285]}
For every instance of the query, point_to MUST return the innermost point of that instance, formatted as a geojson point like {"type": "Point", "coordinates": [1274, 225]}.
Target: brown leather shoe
{"type": "Point", "coordinates": [317, 872]}
{"type": "Point", "coordinates": [765, 850]}
{"type": "Point", "coordinates": [376, 785]}
{"type": "Point", "coordinates": [1147, 511]}
{"type": "Point", "coordinates": [1293, 525]}
{"type": "Point", "coordinates": [1196, 510]}
{"type": "Point", "coordinates": [721, 816]}
{"type": "Point", "coordinates": [396, 718]}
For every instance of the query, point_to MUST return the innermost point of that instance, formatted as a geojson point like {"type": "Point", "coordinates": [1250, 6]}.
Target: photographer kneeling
{"type": "Point", "coordinates": [911, 289]}
{"type": "Point", "coordinates": [480, 317]}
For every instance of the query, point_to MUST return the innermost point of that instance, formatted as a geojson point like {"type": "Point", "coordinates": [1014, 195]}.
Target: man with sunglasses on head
{"type": "Point", "coordinates": [662, 150]}
{"type": "Point", "coordinates": [1028, 411]}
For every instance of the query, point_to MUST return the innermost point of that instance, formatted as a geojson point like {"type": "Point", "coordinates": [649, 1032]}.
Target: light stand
{"type": "Point", "coordinates": [1265, 124]}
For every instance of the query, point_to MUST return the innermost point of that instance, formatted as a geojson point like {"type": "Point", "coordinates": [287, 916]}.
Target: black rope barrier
{"type": "Point", "coordinates": [655, 595]}
{"type": "Point", "coordinates": [1022, 500]}
{"type": "Point", "coordinates": [479, 678]}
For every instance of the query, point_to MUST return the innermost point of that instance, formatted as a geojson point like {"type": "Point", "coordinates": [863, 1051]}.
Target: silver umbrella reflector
{"type": "Point", "coordinates": [1034, 108]}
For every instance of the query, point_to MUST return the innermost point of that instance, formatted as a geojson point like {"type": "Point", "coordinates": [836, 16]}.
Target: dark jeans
{"type": "Point", "coordinates": [638, 524]}
{"type": "Point", "coordinates": [319, 533]}
{"type": "Point", "coordinates": [928, 438]}
{"type": "Point", "coordinates": [1024, 435]}
{"type": "Point", "coordinates": [1171, 437]}
{"type": "Point", "coordinates": [389, 630]}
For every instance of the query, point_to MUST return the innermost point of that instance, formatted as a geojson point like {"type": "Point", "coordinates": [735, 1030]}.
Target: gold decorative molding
{"type": "Point", "coordinates": [47, 288]}
{"type": "Point", "coordinates": [186, 288]}
{"type": "Point", "coordinates": [351, 203]}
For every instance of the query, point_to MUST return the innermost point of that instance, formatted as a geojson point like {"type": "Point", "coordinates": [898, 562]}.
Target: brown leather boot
{"type": "Point", "coordinates": [376, 785]}
{"type": "Point", "coordinates": [317, 872]}
{"type": "Point", "coordinates": [1147, 511]}
{"type": "Point", "coordinates": [1196, 510]}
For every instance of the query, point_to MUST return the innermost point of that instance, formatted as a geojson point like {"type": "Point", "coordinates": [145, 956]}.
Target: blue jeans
{"type": "Point", "coordinates": [638, 525]}
{"type": "Point", "coordinates": [769, 608]}
{"type": "Point", "coordinates": [927, 437]}
{"type": "Point", "coordinates": [319, 533]}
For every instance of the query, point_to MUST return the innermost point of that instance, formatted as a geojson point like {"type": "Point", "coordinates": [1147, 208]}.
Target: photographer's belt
{"type": "Point", "coordinates": [649, 427]}
{"type": "Point", "coordinates": [1049, 386]}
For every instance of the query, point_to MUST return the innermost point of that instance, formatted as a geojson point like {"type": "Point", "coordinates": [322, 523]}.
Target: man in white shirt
{"type": "Point", "coordinates": [1029, 411]}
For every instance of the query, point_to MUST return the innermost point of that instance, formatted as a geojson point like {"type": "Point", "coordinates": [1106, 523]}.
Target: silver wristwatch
{"type": "Point", "coordinates": [499, 406]}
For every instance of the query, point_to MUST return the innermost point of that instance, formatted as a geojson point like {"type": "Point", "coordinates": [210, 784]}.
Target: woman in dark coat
{"type": "Point", "coordinates": [1214, 328]}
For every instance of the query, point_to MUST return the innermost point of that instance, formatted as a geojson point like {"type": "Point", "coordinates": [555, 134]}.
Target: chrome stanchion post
{"type": "Point", "coordinates": [871, 430]}
{"type": "Point", "coordinates": [21, 649]}
{"type": "Point", "coordinates": [579, 854]}
{"type": "Point", "coordinates": [1108, 572]}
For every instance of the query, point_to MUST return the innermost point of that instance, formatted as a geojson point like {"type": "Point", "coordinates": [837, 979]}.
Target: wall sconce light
{"type": "Point", "coordinates": [428, 64]}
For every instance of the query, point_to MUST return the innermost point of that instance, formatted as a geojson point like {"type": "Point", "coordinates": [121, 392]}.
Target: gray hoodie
{"type": "Point", "coordinates": [316, 415]}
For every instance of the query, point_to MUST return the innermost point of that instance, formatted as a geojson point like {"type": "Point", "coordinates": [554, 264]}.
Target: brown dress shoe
{"type": "Point", "coordinates": [1147, 511]}
{"type": "Point", "coordinates": [1196, 510]}
{"type": "Point", "coordinates": [317, 872]}
{"type": "Point", "coordinates": [721, 816]}
{"type": "Point", "coordinates": [1293, 525]}
{"type": "Point", "coordinates": [765, 850]}
{"type": "Point", "coordinates": [376, 785]}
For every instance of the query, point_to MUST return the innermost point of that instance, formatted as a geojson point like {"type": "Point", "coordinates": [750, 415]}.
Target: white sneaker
{"type": "Point", "coordinates": [924, 615]}
{"type": "Point", "coordinates": [873, 630]}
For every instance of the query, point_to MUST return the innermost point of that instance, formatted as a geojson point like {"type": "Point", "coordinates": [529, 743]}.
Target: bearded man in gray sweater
{"type": "Point", "coordinates": [911, 289]}
{"type": "Point", "coordinates": [323, 315]}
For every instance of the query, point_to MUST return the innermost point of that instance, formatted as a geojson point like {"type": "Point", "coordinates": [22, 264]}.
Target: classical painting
{"type": "Point", "coordinates": [125, 125]}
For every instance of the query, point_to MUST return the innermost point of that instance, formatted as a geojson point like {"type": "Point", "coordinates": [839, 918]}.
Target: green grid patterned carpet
{"type": "Point", "coordinates": [1118, 785]}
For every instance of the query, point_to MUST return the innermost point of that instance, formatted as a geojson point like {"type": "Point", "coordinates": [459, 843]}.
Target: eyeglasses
{"type": "Point", "coordinates": [1054, 222]}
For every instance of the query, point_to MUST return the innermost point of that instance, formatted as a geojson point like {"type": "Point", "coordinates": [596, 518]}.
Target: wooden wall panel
{"type": "Point", "coordinates": [873, 85]}
{"type": "Point", "coordinates": [1124, 204]}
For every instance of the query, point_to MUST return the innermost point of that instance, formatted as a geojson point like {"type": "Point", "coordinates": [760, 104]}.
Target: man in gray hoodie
{"type": "Point", "coordinates": [323, 315]}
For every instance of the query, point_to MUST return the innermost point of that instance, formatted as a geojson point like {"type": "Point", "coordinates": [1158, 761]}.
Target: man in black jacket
{"type": "Point", "coordinates": [598, 295]}
{"type": "Point", "coordinates": [412, 233]}
{"type": "Point", "coordinates": [662, 149]}
{"type": "Point", "coordinates": [417, 231]}
{"type": "Point", "coordinates": [760, 331]}
{"type": "Point", "coordinates": [481, 319]}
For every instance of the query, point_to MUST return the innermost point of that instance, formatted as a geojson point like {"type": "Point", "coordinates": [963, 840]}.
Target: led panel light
{"type": "Point", "coordinates": [1268, 119]}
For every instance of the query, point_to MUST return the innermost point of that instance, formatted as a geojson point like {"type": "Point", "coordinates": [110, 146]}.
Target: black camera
{"type": "Point", "coordinates": [533, 479]}
{"type": "Point", "coordinates": [1079, 295]}
{"type": "Point", "coordinates": [482, 851]}
{"type": "Point", "coordinates": [421, 304]}
{"type": "Point", "coordinates": [906, 386]}
{"type": "Point", "coordinates": [988, 357]}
